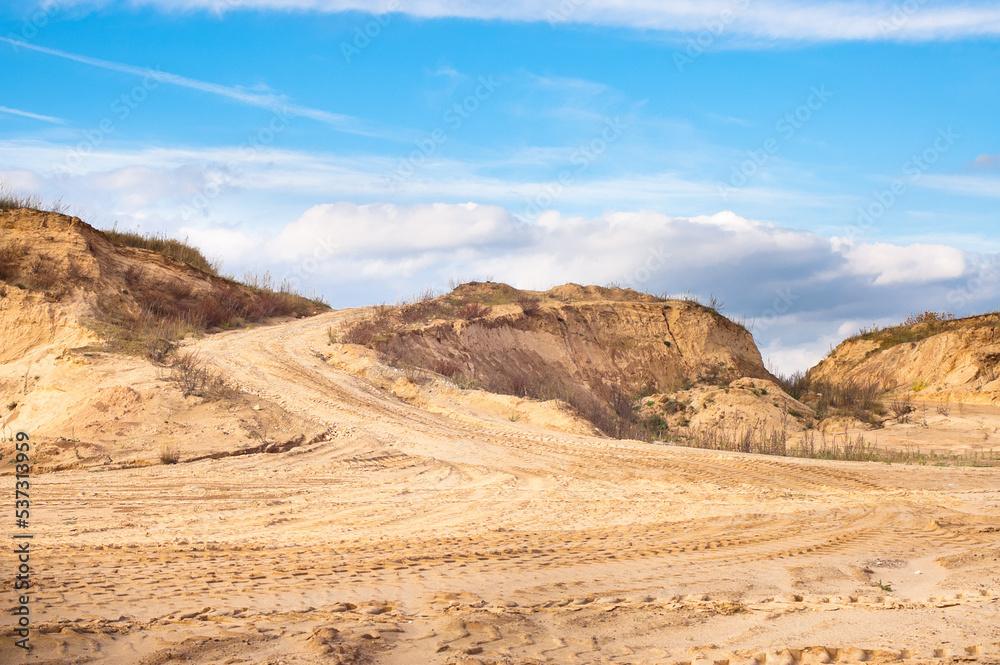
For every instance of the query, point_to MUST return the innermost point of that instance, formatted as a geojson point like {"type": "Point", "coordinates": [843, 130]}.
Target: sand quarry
{"type": "Point", "coordinates": [407, 524]}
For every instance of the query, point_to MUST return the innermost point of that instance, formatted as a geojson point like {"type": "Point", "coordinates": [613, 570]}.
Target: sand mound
{"type": "Point", "coordinates": [595, 348]}
{"type": "Point", "coordinates": [931, 358]}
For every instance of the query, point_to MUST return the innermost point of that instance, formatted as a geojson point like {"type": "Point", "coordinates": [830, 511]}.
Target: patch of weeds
{"type": "Point", "coordinates": [474, 310]}
{"type": "Point", "coordinates": [169, 455]}
{"type": "Point", "coordinates": [885, 587]}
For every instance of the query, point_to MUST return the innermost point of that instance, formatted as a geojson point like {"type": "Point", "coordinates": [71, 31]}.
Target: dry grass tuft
{"type": "Point", "coordinates": [474, 310]}
{"type": "Point", "coordinates": [180, 250]}
{"type": "Point", "coordinates": [169, 455]}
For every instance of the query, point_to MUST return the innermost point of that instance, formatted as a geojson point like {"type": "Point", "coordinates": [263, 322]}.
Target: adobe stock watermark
{"type": "Point", "coordinates": [713, 28]}
{"type": "Point", "coordinates": [987, 273]}
{"type": "Point", "coordinates": [656, 260]}
{"type": "Point", "coordinates": [783, 302]}
{"type": "Point", "coordinates": [913, 168]}
{"type": "Point", "coordinates": [324, 249]}
{"type": "Point", "coordinates": [32, 24]}
{"type": "Point", "coordinates": [121, 109]}
{"type": "Point", "coordinates": [582, 158]}
{"type": "Point", "coordinates": [786, 128]}
{"type": "Point", "coordinates": [253, 145]}
{"type": "Point", "coordinates": [901, 14]}
{"type": "Point", "coordinates": [365, 34]}
{"type": "Point", "coordinates": [453, 118]}
{"type": "Point", "coordinates": [563, 11]}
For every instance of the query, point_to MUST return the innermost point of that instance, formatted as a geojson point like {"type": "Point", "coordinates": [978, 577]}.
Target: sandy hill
{"type": "Point", "coordinates": [931, 356]}
{"type": "Point", "coordinates": [89, 329]}
{"type": "Point", "coordinates": [62, 281]}
{"type": "Point", "coordinates": [599, 349]}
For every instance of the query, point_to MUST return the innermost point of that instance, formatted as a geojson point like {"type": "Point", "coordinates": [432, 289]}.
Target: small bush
{"type": "Point", "coordinates": [11, 254]}
{"type": "Point", "coordinates": [529, 306]}
{"type": "Point", "coordinates": [902, 408]}
{"type": "Point", "coordinates": [474, 310]}
{"type": "Point", "coordinates": [194, 378]}
{"type": "Point", "coordinates": [169, 455]}
{"type": "Point", "coordinates": [446, 367]}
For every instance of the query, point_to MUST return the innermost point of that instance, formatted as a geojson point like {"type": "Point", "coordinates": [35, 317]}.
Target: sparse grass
{"type": "Point", "coordinates": [180, 250]}
{"type": "Point", "coordinates": [169, 455]}
{"type": "Point", "coordinates": [812, 445]}
{"type": "Point", "coordinates": [190, 373]}
{"type": "Point", "coordinates": [11, 200]}
{"type": "Point", "coordinates": [915, 328]}
{"type": "Point", "coordinates": [474, 310]}
{"type": "Point", "coordinates": [861, 400]}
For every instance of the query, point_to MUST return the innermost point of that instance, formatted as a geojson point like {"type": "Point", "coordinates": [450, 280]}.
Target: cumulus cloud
{"type": "Point", "coordinates": [386, 229]}
{"type": "Point", "coordinates": [915, 264]}
{"type": "Point", "coordinates": [766, 19]}
{"type": "Point", "coordinates": [800, 290]}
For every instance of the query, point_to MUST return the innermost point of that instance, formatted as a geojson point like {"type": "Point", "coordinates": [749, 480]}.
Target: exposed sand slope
{"type": "Point", "coordinates": [91, 408]}
{"type": "Point", "coordinates": [946, 360]}
{"type": "Point", "coordinates": [594, 347]}
{"type": "Point", "coordinates": [420, 537]}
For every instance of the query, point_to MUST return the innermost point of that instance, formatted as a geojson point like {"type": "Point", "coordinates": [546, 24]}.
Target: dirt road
{"type": "Point", "coordinates": [412, 537]}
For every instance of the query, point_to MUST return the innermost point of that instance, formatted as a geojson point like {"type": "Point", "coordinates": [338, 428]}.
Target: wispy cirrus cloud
{"type": "Point", "coordinates": [763, 19]}
{"type": "Point", "coordinates": [974, 185]}
{"type": "Point", "coordinates": [269, 101]}
{"type": "Point", "coordinates": [33, 116]}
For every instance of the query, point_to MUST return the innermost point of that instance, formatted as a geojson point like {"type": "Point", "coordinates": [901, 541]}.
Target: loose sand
{"type": "Point", "coordinates": [458, 535]}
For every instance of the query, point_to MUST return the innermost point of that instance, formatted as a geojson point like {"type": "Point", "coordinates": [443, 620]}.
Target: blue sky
{"type": "Point", "coordinates": [817, 166]}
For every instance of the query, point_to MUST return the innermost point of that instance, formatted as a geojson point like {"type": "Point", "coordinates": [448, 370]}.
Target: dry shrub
{"type": "Point", "coordinates": [902, 408]}
{"type": "Point", "coordinates": [133, 275]}
{"type": "Point", "coordinates": [529, 306]}
{"type": "Point", "coordinates": [861, 400]}
{"type": "Point", "coordinates": [190, 373]}
{"type": "Point", "coordinates": [447, 367]}
{"type": "Point", "coordinates": [361, 333]}
{"type": "Point", "coordinates": [474, 310]}
{"type": "Point", "coordinates": [43, 273]}
{"type": "Point", "coordinates": [169, 455]}
{"type": "Point", "coordinates": [11, 254]}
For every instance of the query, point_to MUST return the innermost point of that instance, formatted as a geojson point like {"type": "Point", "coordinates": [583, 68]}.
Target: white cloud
{"type": "Point", "coordinates": [153, 77]}
{"type": "Point", "coordinates": [913, 264]}
{"type": "Point", "coordinates": [387, 230]}
{"type": "Point", "coordinates": [33, 116]}
{"type": "Point", "coordinates": [760, 19]}
{"type": "Point", "coordinates": [976, 185]}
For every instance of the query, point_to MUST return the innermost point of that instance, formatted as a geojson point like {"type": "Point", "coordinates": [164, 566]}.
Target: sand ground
{"type": "Point", "coordinates": [414, 536]}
